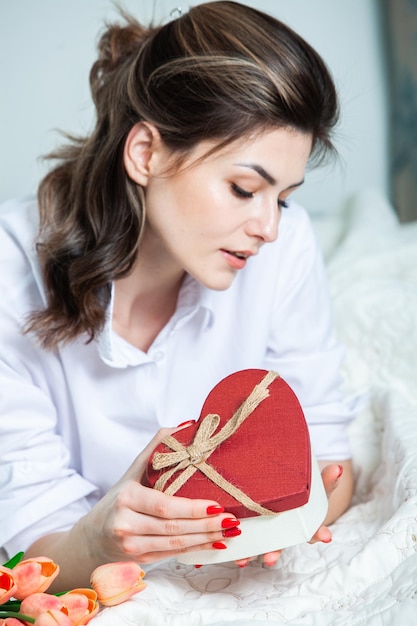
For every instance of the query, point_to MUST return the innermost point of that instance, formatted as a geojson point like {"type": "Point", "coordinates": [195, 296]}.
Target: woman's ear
{"type": "Point", "coordinates": [142, 144]}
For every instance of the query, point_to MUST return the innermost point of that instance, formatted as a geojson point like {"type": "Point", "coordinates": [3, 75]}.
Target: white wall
{"type": "Point", "coordinates": [48, 46]}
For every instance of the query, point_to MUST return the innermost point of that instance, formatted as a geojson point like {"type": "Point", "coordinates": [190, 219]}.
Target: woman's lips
{"type": "Point", "coordinates": [236, 260]}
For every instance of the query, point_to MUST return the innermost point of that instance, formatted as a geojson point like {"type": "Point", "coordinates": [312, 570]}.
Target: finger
{"type": "Point", "coordinates": [323, 535]}
{"type": "Point", "coordinates": [271, 558]}
{"type": "Point", "coordinates": [158, 504]}
{"type": "Point", "coordinates": [331, 475]}
{"type": "Point", "coordinates": [153, 548]}
{"type": "Point", "coordinates": [152, 557]}
{"type": "Point", "coordinates": [138, 466]}
{"type": "Point", "coordinates": [130, 522]}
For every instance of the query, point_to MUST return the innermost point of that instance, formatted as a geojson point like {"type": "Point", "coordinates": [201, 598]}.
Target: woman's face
{"type": "Point", "coordinates": [212, 215]}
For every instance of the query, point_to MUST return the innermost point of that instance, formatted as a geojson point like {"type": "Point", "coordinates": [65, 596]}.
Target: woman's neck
{"type": "Point", "coordinates": [144, 301]}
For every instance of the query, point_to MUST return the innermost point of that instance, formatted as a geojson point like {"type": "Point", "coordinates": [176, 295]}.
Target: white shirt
{"type": "Point", "coordinates": [72, 421]}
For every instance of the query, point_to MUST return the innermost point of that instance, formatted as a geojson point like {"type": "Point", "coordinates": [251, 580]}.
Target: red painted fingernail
{"type": "Point", "coordinates": [340, 471]}
{"type": "Point", "coordinates": [230, 522]}
{"type": "Point", "coordinates": [198, 566]}
{"type": "Point", "coordinates": [214, 508]}
{"type": "Point", "coordinates": [329, 540]}
{"type": "Point", "coordinates": [231, 532]}
{"type": "Point", "coordinates": [219, 545]}
{"type": "Point", "coordinates": [242, 565]}
{"type": "Point", "coordinates": [187, 423]}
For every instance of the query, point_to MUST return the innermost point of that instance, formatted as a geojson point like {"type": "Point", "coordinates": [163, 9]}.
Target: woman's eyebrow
{"type": "Point", "coordinates": [262, 172]}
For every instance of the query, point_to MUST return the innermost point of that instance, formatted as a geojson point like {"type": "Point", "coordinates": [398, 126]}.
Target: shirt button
{"type": "Point", "coordinates": [158, 356]}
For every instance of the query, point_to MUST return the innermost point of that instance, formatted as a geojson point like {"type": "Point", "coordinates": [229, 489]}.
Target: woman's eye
{"type": "Point", "coordinates": [241, 193]}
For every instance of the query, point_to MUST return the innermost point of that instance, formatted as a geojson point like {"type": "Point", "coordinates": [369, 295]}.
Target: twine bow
{"type": "Point", "coordinates": [188, 459]}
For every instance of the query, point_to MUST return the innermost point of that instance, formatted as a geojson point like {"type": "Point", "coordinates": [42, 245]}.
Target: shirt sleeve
{"type": "Point", "coordinates": [37, 478]}
{"type": "Point", "coordinates": [302, 344]}
{"type": "Point", "coordinates": [35, 474]}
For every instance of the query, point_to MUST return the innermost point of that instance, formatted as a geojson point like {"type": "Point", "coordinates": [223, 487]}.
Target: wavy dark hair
{"type": "Point", "coordinates": [219, 72]}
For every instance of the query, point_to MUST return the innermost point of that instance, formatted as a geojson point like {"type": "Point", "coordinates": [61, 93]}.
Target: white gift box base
{"type": "Point", "coordinates": [267, 533]}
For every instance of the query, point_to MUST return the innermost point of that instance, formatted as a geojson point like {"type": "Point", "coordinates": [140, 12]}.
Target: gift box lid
{"type": "Point", "coordinates": [249, 450]}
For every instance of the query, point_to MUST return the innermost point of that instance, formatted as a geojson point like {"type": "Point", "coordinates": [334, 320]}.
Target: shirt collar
{"type": "Point", "coordinates": [193, 296]}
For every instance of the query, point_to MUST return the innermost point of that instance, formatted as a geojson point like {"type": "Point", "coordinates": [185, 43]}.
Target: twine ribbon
{"type": "Point", "coordinates": [188, 459]}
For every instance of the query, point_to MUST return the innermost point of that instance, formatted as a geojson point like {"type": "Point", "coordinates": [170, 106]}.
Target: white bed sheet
{"type": "Point", "coordinates": [368, 574]}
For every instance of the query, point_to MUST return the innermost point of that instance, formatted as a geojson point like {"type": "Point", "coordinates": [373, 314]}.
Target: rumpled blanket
{"type": "Point", "coordinates": [368, 574]}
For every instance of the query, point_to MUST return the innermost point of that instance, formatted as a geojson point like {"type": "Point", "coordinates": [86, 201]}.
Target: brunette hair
{"type": "Point", "coordinates": [219, 72]}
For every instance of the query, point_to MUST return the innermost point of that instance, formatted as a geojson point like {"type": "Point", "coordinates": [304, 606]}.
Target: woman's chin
{"type": "Point", "coordinates": [217, 282]}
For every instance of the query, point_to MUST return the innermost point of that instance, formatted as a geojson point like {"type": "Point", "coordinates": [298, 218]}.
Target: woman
{"type": "Point", "coordinates": [149, 281]}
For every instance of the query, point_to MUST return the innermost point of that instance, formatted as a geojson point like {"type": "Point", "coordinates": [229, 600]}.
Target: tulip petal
{"type": "Point", "coordinates": [38, 603]}
{"type": "Point", "coordinates": [53, 617]}
{"type": "Point", "coordinates": [82, 605]}
{"type": "Point", "coordinates": [7, 584]}
{"type": "Point", "coordinates": [86, 591]}
{"type": "Point", "coordinates": [117, 582]}
{"type": "Point", "coordinates": [34, 576]}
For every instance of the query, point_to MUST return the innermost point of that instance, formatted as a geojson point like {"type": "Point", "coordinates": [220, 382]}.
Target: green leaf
{"type": "Point", "coordinates": [11, 605]}
{"type": "Point", "coordinates": [14, 560]}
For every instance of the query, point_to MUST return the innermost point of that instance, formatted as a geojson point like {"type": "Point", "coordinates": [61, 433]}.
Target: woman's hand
{"type": "Point", "coordinates": [133, 522]}
{"type": "Point", "coordinates": [138, 523]}
{"type": "Point", "coordinates": [338, 482]}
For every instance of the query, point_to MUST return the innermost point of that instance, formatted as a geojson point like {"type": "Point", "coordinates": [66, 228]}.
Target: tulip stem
{"type": "Point", "coordinates": [25, 618]}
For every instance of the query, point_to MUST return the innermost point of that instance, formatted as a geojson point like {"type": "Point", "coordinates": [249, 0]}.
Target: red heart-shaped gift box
{"type": "Point", "coordinates": [267, 457]}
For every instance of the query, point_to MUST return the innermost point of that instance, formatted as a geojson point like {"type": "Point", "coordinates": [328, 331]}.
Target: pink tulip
{"type": "Point", "coordinates": [38, 603]}
{"type": "Point", "coordinates": [53, 617]}
{"type": "Point", "coordinates": [34, 575]}
{"type": "Point", "coordinates": [11, 621]}
{"type": "Point", "coordinates": [7, 584]}
{"type": "Point", "coordinates": [82, 605]}
{"type": "Point", "coordinates": [117, 582]}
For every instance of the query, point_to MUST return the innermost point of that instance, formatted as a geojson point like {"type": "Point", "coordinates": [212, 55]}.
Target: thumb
{"type": "Point", "coordinates": [138, 467]}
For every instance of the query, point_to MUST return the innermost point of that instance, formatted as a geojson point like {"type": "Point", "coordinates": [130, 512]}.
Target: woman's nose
{"type": "Point", "coordinates": [264, 225]}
